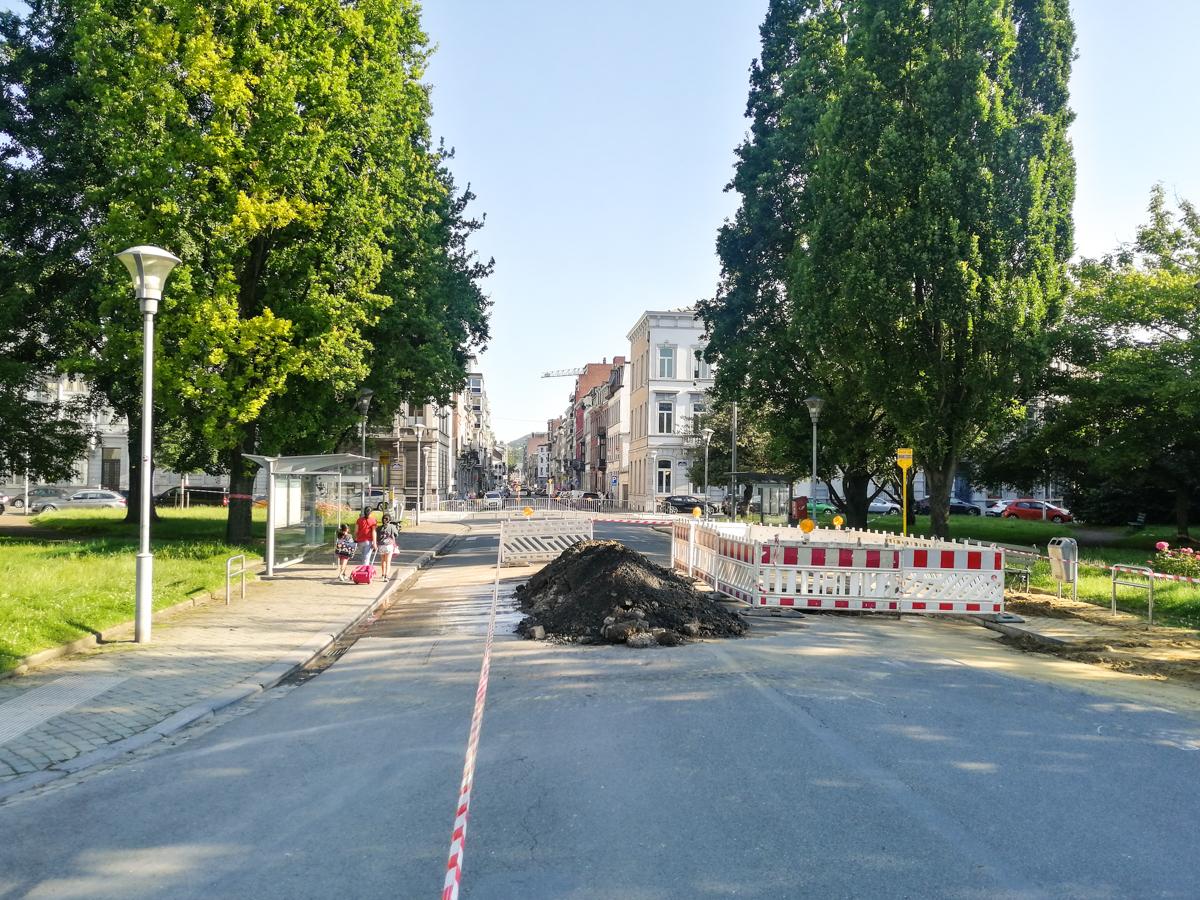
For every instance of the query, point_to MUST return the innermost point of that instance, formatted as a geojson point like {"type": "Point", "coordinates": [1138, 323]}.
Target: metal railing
{"type": "Point", "coordinates": [229, 575]}
{"type": "Point", "coordinates": [1148, 587]}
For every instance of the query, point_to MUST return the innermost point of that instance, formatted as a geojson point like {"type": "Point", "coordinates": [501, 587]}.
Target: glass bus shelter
{"type": "Point", "coordinates": [307, 498]}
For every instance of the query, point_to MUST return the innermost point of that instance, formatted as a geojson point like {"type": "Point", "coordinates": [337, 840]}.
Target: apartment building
{"type": "Point", "coordinates": [668, 384]}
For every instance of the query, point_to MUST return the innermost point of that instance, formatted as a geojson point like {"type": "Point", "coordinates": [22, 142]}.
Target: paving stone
{"type": "Point", "coordinates": [192, 656]}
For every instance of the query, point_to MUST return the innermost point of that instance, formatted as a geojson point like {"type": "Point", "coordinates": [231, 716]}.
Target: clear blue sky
{"type": "Point", "coordinates": [599, 136]}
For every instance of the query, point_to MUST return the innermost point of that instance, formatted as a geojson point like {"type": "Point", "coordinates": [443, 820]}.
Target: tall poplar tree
{"type": "Point", "coordinates": [943, 193]}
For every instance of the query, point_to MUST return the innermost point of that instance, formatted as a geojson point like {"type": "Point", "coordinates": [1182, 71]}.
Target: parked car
{"type": "Point", "coordinates": [377, 498]}
{"type": "Point", "coordinates": [997, 508]}
{"type": "Point", "coordinates": [493, 500]}
{"type": "Point", "coordinates": [882, 506]}
{"type": "Point", "coordinates": [78, 500]}
{"type": "Point", "coordinates": [1027, 508]}
{"type": "Point", "coordinates": [4, 502]}
{"type": "Point", "coordinates": [957, 507]}
{"type": "Point", "coordinates": [591, 495]}
{"type": "Point", "coordinates": [195, 496]}
{"type": "Point", "coordinates": [684, 503]}
{"type": "Point", "coordinates": [41, 492]}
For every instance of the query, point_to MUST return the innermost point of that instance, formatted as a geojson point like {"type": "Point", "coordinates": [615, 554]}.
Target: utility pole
{"type": "Point", "coordinates": [733, 466]}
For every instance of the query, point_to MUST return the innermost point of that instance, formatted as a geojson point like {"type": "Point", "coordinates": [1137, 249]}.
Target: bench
{"type": "Point", "coordinates": [1018, 563]}
{"type": "Point", "coordinates": [1139, 523]}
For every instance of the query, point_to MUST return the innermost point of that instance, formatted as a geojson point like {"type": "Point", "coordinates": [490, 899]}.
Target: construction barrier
{"type": "Point", "coordinates": [837, 569]}
{"type": "Point", "coordinates": [540, 540]}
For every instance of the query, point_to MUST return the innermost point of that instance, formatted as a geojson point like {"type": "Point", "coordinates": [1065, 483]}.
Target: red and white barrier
{"type": "Point", "coordinates": [841, 570]}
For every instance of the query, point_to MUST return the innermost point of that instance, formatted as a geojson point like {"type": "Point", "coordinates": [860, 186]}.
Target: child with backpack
{"type": "Point", "coordinates": [343, 549]}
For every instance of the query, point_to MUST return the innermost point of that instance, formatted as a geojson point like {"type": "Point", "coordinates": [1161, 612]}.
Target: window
{"type": "Point", "coordinates": [700, 368]}
{"type": "Point", "coordinates": [666, 362]}
{"type": "Point", "coordinates": [666, 416]}
{"type": "Point", "coordinates": [697, 404]}
{"type": "Point", "coordinates": [664, 476]}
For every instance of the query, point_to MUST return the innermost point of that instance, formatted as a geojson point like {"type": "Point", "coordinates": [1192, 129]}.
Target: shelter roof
{"type": "Point", "coordinates": [317, 464]}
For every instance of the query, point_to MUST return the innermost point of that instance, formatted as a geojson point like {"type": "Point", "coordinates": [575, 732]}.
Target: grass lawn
{"type": "Point", "coordinates": [54, 590]}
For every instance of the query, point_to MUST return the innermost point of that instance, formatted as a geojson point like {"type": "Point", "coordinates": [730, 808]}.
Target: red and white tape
{"type": "Point", "coordinates": [458, 837]}
{"type": "Point", "coordinates": [1160, 575]}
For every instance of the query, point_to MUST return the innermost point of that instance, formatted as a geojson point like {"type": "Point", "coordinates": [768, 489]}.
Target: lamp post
{"type": "Point", "coordinates": [363, 403]}
{"type": "Point", "coordinates": [419, 429]}
{"type": "Point", "coordinates": [814, 405]}
{"type": "Point", "coordinates": [708, 435]}
{"type": "Point", "coordinates": [149, 268]}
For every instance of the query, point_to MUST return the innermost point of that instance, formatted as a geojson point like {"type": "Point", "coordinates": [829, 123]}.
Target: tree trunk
{"type": "Point", "coordinates": [855, 488]}
{"type": "Point", "coordinates": [241, 490]}
{"type": "Point", "coordinates": [939, 478]}
{"type": "Point", "coordinates": [1183, 505]}
{"type": "Point", "coordinates": [133, 451]}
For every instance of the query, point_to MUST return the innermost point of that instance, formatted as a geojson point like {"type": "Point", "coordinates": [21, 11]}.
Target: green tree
{"type": "Point", "coordinates": [1124, 409]}
{"type": "Point", "coordinates": [942, 225]}
{"type": "Point", "coordinates": [772, 348]}
{"type": "Point", "coordinates": [282, 152]}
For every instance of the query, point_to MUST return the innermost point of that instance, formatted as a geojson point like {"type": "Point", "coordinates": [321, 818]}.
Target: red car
{"type": "Point", "coordinates": [1032, 510]}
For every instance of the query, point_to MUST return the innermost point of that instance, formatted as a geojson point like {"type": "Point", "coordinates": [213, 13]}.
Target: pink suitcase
{"type": "Point", "coordinates": [362, 574]}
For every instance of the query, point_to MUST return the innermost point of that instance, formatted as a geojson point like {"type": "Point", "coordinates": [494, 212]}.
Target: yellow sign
{"type": "Point", "coordinates": [807, 525]}
{"type": "Point", "coordinates": [904, 461]}
{"type": "Point", "coordinates": [696, 512]}
{"type": "Point", "coordinates": [527, 511]}
{"type": "Point", "coordinates": [838, 521]}
{"type": "Point", "coordinates": [904, 458]}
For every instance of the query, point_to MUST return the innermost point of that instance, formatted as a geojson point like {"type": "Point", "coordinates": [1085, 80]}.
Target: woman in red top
{"type": "Point", "coordinates": [364, 535]}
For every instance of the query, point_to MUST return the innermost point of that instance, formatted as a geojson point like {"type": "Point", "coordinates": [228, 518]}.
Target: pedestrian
{"type": "Point", "coordinates": [364, 536]}
{"type": "Point", "coordinates": [343, 549]}
{"type": "Point", "coordinates": [387, 536]}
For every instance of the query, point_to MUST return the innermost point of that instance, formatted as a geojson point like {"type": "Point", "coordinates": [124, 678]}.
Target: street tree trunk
{"type": "Point", "coordinates": [855, 490]}
{"type": "Point", "coordinates": [238, 525]}
{"type": "Point", "coordinates": [939, 478]}
{"type": "Point", "coordinates": [1183, 505]}
{"type": "Point", "coordinates": [133, 451]}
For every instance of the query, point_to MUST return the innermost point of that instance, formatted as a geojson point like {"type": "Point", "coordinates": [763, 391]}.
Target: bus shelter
{"type": "Point", "coordinates": [769, 492]}
{"type": "Point", "coordinates": [307, 498]}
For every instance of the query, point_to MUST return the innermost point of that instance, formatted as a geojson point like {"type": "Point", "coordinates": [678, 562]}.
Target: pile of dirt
{"type": "Point", "coordinates": [603, 591]}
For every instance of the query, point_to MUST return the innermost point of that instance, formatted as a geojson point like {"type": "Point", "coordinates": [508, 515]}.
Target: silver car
{"type": "Point", "coordinates": [79, 499]}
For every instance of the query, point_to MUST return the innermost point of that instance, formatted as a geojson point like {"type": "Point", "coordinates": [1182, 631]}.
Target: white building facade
{"type": "Point", "coordinates": [667, 387]}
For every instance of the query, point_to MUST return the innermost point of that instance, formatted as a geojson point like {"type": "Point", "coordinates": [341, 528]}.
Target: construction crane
{"type": "Point", "coordinates": [565, 373]}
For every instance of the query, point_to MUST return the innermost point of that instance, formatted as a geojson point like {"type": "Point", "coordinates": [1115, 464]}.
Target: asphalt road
{"type": "Point", "coordinates": [822, 757]}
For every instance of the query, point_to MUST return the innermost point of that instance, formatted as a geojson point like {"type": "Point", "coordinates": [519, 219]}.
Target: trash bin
{"type": "Point", "coordinates": [1064, 563]}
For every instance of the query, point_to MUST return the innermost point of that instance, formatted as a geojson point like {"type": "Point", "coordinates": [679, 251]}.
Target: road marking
{"type": "Point", "coordinates": [41, 704]}
{"type": "Point", "coordinates": [458, 837]}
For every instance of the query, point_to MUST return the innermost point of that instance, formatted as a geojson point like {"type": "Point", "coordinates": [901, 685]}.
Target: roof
{"type": "Point", "coordinates": [317, 464]}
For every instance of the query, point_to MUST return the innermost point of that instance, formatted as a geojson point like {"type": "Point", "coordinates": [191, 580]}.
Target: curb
{"type": "Point", "coordinates": [1013, 631]}
{"type": "Point", "coordinates": [262, 680]}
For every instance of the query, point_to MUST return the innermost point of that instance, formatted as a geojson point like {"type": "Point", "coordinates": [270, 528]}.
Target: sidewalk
{"type": "Point", "coordinates": [86, 709]}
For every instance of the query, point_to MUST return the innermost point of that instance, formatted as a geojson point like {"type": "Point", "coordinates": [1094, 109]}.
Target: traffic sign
{"type": "Point", "coordinates": [904, 458]}
{"type": "Point", "coordinates": [614, 481]}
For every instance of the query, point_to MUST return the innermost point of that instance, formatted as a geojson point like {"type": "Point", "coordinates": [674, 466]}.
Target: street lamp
{"type": "Point", "coordinates": [419, 429]}
{"type": "Point", "coordinates": [149, 268]}
{"type": "Point", "coordinates": [363, 404]}
{"type": "Point", "coordinates": [708, 435]}
{"type": "Point", "coordinates": [814, 405]}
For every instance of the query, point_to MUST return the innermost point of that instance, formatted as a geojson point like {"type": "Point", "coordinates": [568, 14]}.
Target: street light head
{"type": "Point", "coordinates": [149, 268]}
{"type": "Point", "coordinates": [814, 405]}
{"type": "Point", "coordinates": [364, 400]}
{"type": "Point", "coordinates": [708, 433]}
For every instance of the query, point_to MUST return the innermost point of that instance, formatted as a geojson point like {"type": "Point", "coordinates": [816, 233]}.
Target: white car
{"type": "Point", "coordinates": [996, 509]}
{"type": "Point", "coordinates": [882, 506]}
{"type": "Point", "coordinates": [91, 499]}
{"type": "Point", "coordinates": [493, 500]}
